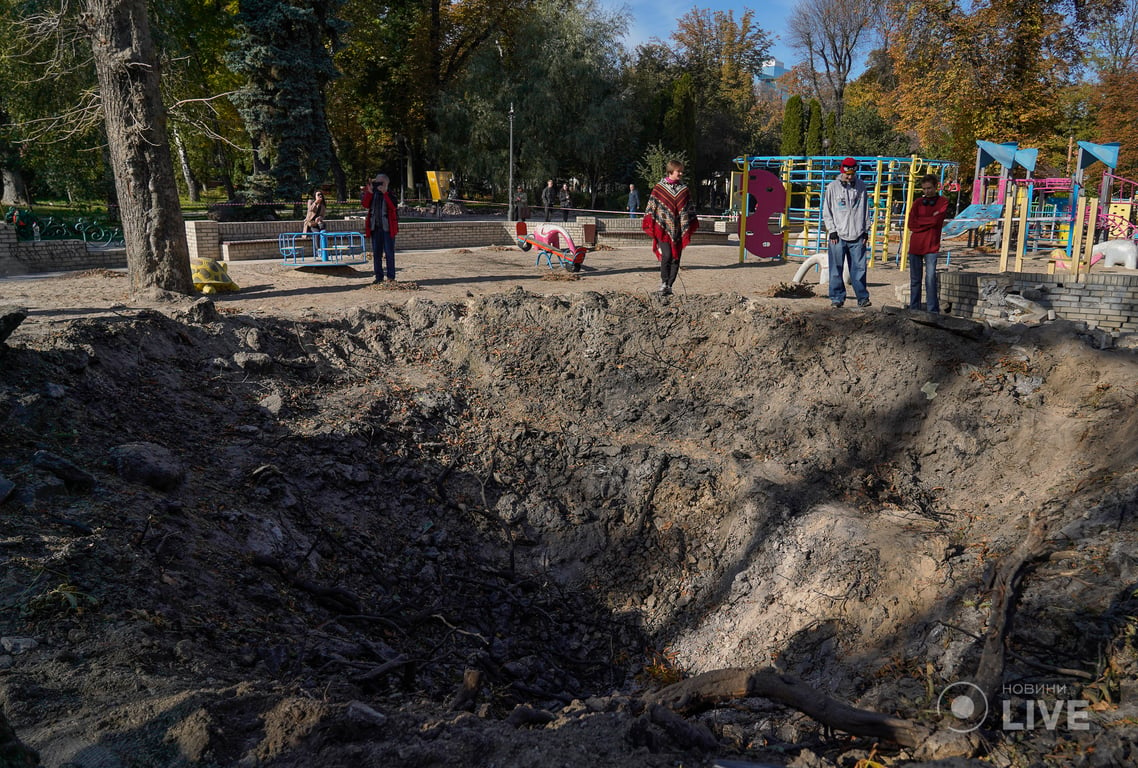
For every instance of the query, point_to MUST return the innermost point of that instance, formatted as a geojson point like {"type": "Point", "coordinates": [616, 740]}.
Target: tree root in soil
{"type": "Point", "coordinates": [704, 691]}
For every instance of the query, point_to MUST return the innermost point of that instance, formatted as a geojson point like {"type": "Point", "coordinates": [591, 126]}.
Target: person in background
{"type": "Point", "coordinates": [633, 201]}
{"type": "Point", "coordinates": [547, 197]}
{"type": "Point", "coordinates": [521, 204]}
{"type": "Point", "coordinates": [565, 201]}
{"type": "Point", "coordinates": [926, 219]}
{"type": "Point", "coordinates": [314, 220]}
{"type": "Point", "coordinates": [381, 225]}
{"type": "Point", "coordinates": [670, 220]}
{"type": "Point", "coordinates": [845, 212]}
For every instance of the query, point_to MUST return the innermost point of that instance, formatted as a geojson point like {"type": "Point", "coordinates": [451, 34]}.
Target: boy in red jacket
{"type": "Point", "coordinates": [926, 218]}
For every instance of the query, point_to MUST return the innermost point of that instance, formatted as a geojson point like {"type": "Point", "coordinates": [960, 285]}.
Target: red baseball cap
{"type": "Point", "coordinates": [849, 162]}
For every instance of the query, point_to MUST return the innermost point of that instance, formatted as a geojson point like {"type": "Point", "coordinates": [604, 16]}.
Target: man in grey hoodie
{"type": "Point", "coordinates": [845, 212]}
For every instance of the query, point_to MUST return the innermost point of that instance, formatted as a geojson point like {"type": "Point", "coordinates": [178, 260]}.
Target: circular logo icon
{"type": "Point", "coordinates": [965, 702]}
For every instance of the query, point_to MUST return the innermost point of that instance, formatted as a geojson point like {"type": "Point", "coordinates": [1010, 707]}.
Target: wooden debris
{"type": "Point", "coordinates": [467, 691]}
{"type": "Point", "coordinates": [960, 326]}
{"type": "Point", "coordinates": [705, 690]}
{"type": "Point", "coordinates": [791, 291]}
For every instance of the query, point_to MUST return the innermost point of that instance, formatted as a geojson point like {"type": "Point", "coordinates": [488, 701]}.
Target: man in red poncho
{"type": "Point", "coordinates": [669, 219]}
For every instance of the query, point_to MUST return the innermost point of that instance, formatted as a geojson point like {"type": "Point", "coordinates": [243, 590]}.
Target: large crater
{"type": "Point", "coordinates": [563, 501]}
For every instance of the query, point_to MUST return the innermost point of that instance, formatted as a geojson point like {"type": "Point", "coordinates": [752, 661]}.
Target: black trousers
{"type": "Point", "coordinates": [669, 261]}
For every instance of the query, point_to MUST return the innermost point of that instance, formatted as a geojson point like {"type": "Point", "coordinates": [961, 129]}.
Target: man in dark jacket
{"type": "Point", "coordinates": [381, 225]}
{"type": "Point", "coordinates": [565, 201]}
{"type": "Point", "coordinates": [547, 197]}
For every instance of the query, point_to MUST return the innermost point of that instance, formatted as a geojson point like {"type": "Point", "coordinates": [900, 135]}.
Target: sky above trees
{"type": "Point", "coordinates": [649, 19]}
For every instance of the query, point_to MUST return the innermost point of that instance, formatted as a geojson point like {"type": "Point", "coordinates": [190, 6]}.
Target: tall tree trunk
{"type": "Point", "coordinates": [13, 191]}
{"type": "Point", "coordinates": [110, 193]}
{"type": "Point", "coordinates": [155, 234]}
{"type": "Point", "coordinates": [409, 169]}
{"type": "Point", "coordinates": [224, 165]}
{"type": "Point", "coordinates": [193, 188]}
{"type": "Point", "coordinates": [338, 172]}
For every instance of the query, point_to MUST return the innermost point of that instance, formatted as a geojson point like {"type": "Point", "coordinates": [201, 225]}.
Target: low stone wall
{"type": "Point", "coordinates": [1108, 301]}
{"type": "Point", "coordinates": [32, 258]}
{"type": "Point", "coordinates": [236, 241]}
{"type": "Point", "coordinates": [626, 231]}
{"type": "Point", "coordinates": [425, 235]}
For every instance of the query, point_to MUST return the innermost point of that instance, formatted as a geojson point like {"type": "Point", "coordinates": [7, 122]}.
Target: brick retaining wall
{"type": "Point", "coordinates": [1102, 300]}
{"type": "Point", "coordinates": [31, 258]}
{"type": "Point", "coordinates": [207, 239]}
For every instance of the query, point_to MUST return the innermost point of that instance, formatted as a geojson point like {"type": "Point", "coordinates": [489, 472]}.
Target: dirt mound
{"type": "Point", "coordinates": [454, 533]}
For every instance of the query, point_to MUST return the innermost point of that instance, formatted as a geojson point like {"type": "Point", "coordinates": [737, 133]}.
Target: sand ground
{"type": "Point", "coordinates": [454, 274]}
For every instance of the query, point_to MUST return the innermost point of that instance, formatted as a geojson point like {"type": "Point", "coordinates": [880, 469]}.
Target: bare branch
{"type": "Point", "coordinates": [831, 32]}
{"type": "Point", "coordinates": [202, 100]}
{"type": "Point", "coordinates": [50, 44]}
{"type": "Point", "coordinates": [53, 129]}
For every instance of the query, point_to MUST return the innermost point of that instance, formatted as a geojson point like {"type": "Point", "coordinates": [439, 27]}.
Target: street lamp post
{"type": "Point", "coordinates": [401, 149]}
{"type": "Point", "coordinates": [510, 186]}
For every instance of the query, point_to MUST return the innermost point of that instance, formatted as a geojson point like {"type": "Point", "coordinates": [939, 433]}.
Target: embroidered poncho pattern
{"type": "Point", "coordinates": [669, 215]}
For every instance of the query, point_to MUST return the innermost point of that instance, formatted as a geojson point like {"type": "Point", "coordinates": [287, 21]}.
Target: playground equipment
{"type": "Point", "coordinates": [893, 185]}
{"type": "Point", "coordinates": [765, 198]}
{"type": "Point", "coordinates": [1051, 216]}
{"type": "Point", "coordinates": [211, 276]}
{"type": "Point", "coordinates": [1122, 194]}
{"type": "Point", "coordinates": [440, 183]}
{"type": "Point", "coordinates": [548, 239]}
{"type": "Point", "coordinates": [822, 262]}
{"type": "Point", "coordinates": [1122, 253]}
{"type": "Point", "coordinates": [324, 249]}
{"type": "Point", "coordinates": [990, 192]}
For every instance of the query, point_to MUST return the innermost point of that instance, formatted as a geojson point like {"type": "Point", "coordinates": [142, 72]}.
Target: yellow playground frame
{"type": "Point", "coordinates": [893, 186]}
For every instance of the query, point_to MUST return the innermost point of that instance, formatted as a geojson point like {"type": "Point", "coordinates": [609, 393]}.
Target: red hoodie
{"type": "Point", "coordinates": [926, 221]}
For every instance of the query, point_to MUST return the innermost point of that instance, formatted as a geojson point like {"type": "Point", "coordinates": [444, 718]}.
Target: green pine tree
{"type": "Point", "coordinates": [792, 120]}
{"type": "Point", "coordinates": [814, 129]}
{"type": "Point", "coordinates": [284, 52]}
{"type": "Point", "coordinates": [653, 164]}
{"type": "Point", "coordinates": [831, 133]}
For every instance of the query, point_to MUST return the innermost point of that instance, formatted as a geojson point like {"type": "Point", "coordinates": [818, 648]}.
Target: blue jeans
{"type": "Point", "coordinates": [383, 243]}
{"type": "Point", "coordinates": [917, 265]}
{"type": "Point", "coordinates": [838, 253]}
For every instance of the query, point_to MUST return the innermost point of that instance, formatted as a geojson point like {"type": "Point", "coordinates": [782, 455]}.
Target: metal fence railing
{"type": "Point", "coordinates": [94, 232]}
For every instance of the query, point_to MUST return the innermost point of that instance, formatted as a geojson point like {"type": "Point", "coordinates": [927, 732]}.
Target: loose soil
{"type": "Point", "coordinates": [472, 518]}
